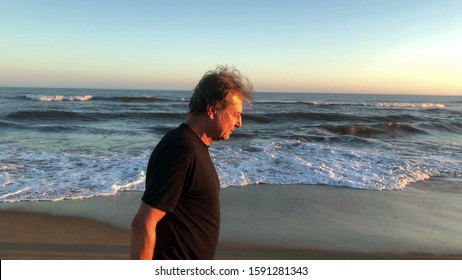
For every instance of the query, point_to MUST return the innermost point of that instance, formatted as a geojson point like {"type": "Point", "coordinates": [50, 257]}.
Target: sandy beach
{"type": "Point", "coordinates": [423, 221]}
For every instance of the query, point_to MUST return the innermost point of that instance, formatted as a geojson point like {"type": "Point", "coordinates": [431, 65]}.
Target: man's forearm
{"type": "Point", "coordinates": [142, 245]}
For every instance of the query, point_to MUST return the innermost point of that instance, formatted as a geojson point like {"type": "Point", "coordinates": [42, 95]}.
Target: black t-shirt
{"type": "Point", "coordinates": [182, 181]}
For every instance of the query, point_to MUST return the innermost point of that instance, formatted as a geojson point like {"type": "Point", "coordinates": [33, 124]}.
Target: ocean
{"type": "Point", "coordinates": [60, 144]}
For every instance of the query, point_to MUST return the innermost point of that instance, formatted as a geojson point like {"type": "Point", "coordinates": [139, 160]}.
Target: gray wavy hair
{"type": "Point", "coordinates": [215, 86]}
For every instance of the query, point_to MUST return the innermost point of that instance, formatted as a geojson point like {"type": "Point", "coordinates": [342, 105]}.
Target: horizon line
{"type": "Point", "coordinates": [256, 92]}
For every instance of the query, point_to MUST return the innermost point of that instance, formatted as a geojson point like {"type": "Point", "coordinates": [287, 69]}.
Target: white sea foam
{"type": "Point", "coordinates": [424, 105]}
{"type": "Point", "coordinates": [411, 105]}
{"type": "Point", "coordinates": [31, 176]}
{"type": "Point", "coordinates": [292, 162]}
{"type": "Point", "coordinates": [130, 185]}
{"type": "Point", "coordinates": [50, 98]}
{"type": "Point", "coordinates": [14, 193]}
{"type": "Point", "coordinates": [28, 175]}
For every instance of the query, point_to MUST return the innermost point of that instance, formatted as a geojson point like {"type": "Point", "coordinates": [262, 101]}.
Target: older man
{"type": "Point", "coordinates": [179, 216]}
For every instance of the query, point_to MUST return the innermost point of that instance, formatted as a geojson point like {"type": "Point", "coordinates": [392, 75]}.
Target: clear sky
{"type": "Point", "coordinates": [375, 46]}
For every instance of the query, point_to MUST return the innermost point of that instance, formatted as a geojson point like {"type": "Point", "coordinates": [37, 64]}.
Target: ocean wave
{"type": "Point", "coordinates": [50, 98]}
{"type": "Point", "coordinates": [48, 115]}
{"type": "Point", "coordinates": [391, 130]}
{"type": "Point", "coordinates": [81, 130]}
{"type": "Point", "coordinates": [291, 102]}
{"type": "Point", "coordinates": [452, 127]}
{"type": "Point", "coordinates": [297, 116]}
{"type": "Point", "coordinates": [294, 162]}
{"type": "Point", "coordinates": [4, 124]}
{"type": "Point", "coordinates": [71, 149]}
{"type": "Point", "coordinates": [328, 117]}
{"type": "Point", "coordinates": [53, 175]}
{"type": "Point", "coordinates": [424, 105]}
{"type": "Point", "coordinates": [57, 115]}
{"type": "Point", "coordinates": [401, 105]}
{"type": "Point", "coordinates": [122, 99]}
{"type": "Point", "coordinates": [326, 139]}
{"type": "Point", "coordinates": [129, 99]}
{"type": "Point", "coordinates": [64, 175]}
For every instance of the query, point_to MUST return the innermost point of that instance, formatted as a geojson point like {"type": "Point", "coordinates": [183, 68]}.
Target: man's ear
{"type": "Point", "coordinates": [211, 111]}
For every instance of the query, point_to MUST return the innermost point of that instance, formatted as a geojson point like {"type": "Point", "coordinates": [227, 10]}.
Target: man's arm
{"type": "Point", "coordinates": [143, 236]}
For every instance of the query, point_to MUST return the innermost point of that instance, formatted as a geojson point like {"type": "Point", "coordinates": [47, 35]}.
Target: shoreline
{"type": "Point", "coordinates": [258, 222]}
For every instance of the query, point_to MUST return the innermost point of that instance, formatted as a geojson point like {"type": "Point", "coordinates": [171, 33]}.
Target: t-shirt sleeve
{"type": "Point", "coordinates": [165, 178]}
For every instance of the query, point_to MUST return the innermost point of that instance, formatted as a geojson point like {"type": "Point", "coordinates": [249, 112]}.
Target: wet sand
{"type": "Point", "coordinates": [423, 221]}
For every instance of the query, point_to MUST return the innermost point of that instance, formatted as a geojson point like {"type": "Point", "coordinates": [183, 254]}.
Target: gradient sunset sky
{"type": "Point", "coordinates": [402, 46]}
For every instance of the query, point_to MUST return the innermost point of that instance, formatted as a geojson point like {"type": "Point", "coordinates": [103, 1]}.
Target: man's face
{"type": "Point", "coordinates": [227, 119]}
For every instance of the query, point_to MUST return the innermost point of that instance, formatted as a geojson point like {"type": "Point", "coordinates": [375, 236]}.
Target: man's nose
{"type": "Point", "coordinates": [238, 122]}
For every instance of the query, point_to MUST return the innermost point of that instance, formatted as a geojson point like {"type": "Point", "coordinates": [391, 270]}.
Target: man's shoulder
{"type": "Point", "coordinates": [181, 131]}
{"type": "Point", "coordinates": [178, 139]}
{"type": "Point", "coordinates": [178, 135]}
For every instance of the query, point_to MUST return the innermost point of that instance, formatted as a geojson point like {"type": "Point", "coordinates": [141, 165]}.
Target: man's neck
{"type": "Point", "coordinates": [198, 124]}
